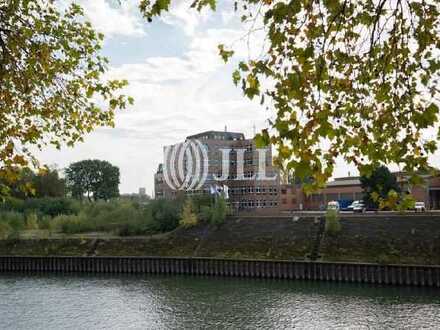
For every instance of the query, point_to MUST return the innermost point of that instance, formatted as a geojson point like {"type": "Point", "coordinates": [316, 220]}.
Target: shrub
{"type": "Point", "coordinates": [407, 202]}
{"type": "Point", "coordinates": [45, 222]}
{"type": "Point", "coordinates": [5, 230]}
{"type": "Point", "coordinates": [332, 224]}
{"type": "Point", "coordinates": [12, 204]}
{"type": "Point", "coordinates": [205, 214]}
{"type": "Point", "coordinates": [72, 224]}
{"type": "Point", "coordinates": [188, 218]}
{"type": "Point", "coordinates": [44, 206]}
{"type": "Point", "coordinates": [122, 217]}
{"type": "Point", "coordinates": [165, 214]}
{"type": "Point", "coordinates": [219, 211]}
{"type": "Point", "coordinates": [31, 221]}
{"type": "Point", "coordinates": [14, 219]}
{"type": "Point", "coordinates": [201, 201]}
{"type": "Point", "coordinates": [52, 206]}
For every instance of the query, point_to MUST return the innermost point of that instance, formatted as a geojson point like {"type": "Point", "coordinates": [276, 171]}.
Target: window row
{"type": "Point", "coordinates": [251, 190]}
{"type": "Point", "coordinates": [257, 204]}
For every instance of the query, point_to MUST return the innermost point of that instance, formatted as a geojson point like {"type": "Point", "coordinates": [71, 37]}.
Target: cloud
{"type": "Point", "coordinates": [182, 15]}
{"type": "Point", "coordinates": [120, 20]}
{"type": "Point", "coordinates": [175, 96]}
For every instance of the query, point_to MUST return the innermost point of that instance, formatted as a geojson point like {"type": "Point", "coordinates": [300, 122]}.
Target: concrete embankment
{"type": "Point", "coordinates": [390, 239]}
{"type": "Point", "coordinates": [338, 272]}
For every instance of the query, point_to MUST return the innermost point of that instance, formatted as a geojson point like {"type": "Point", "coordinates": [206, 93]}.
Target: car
{"type": "Point", "coordinates": [352, 205]}
{"type": "Point", "coordinates": [333, 205]}
{"type": "Point", "coordinates": [419, 207]}
{"type": "Point", "coordinates": [359, 208]}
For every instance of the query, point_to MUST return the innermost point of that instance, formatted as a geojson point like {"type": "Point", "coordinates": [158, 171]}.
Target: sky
{"type": "Point", "coordinates": [180, 86]}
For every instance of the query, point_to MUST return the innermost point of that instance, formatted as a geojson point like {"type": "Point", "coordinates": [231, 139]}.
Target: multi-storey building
{"type": "Point", "coordinates": [247, 188]}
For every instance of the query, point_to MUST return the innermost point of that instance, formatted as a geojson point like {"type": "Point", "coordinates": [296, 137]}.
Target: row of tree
{"type": "Point", "coordinates": [87, 179]}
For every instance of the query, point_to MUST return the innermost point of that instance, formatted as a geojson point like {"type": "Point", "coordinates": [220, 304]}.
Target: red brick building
{"type": "Point", "coordinates": [348, 189]}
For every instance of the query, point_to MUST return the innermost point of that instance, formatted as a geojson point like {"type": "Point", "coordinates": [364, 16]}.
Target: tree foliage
{"type": "Point", "coordinates": [188, 218]}
{"type": "Point", "coordinates": [95, 179]}
{"type": "Point", "coordinates": [380, 188]}
{"type": "Point", "coordinates": [51, 85]}
{"type": "Point", "coordinates": [46, 182]}
{"type": "Point", "coordinates": [351, 79]}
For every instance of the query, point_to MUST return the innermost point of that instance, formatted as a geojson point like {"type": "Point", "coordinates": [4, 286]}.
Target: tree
{"type": "Point", "coordinates": [95, 179]}
{"type": "Point", "coordinates": [351, 79]}
{"type": "Point", "coordinates": [379, 186]}
{"type": "Point", "coordinates": [51, 86]}
{"type": "Point", "coordinates": [46, 182]}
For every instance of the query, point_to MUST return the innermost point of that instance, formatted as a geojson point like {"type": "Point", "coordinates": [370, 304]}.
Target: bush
{"type": "Point", "coordinates": [201, 201]}
{"type": "Point", "coordinates": [72, 224]}
{"type": "Point", "coordinates": [122, 217]}
{"type": "Point", "coordinates": [12, 204]}
{"type": "Point", "coordinates": [407, 202]}
{"type": "Point", "coordinates": [332, 224]}
{"type": "Point", "coordinates": [205, 214]}
{"type": "Point", "coordinates": [45, 222]}
{"type": "Point", "coordinates": [165, 214]}
{"type": "Point", "coordinates": [188, 218]}
{"type": "Point", "coordinates": [32, 221]}
{"type": "Point", "coordinates": [71, 217]}
{"type": "Point", "coordinates": [5, 230]}
{"type": "Point", "coordinates": [219, 211]}
{"type": "Point", "coordinates": [14, 219]}
{"type": "Point", "coordinates": [44, 206]}
{"type": "Point", "coordinates": [52, 206]}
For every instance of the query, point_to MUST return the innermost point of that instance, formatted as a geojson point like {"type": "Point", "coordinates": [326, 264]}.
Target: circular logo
{"type": "Point", "coordinates": [185, 165]}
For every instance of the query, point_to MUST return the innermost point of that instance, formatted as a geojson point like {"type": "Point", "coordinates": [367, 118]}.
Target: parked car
{"type": "Point", "coordinates": [359, 207]}
{"type": "Point", "coordinates": [352, 205]}
{"type": "Point", "coordinates": [333, 205]}
{"type": "Point", "coordinates": [419, 207]}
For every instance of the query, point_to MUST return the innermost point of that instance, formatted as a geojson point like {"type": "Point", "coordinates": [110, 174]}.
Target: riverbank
{"type": "Point", "coordinates": [391, 239]}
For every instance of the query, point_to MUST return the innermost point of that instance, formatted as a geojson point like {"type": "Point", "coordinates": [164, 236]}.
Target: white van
{"type": "Point", "coordinates": [333, 205]}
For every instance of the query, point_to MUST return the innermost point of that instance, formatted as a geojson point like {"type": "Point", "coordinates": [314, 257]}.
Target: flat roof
{"type": "Point", "coordinates": [344, 182]}
{"type": "Point", "coordinates": [217, 135]}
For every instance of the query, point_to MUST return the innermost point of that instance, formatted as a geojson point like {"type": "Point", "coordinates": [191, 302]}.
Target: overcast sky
{"type": "Point", "coordinates": [180, 85]}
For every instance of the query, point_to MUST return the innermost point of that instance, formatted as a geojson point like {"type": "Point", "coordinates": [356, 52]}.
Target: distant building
{"type": "Point", "coordinates": [348, 189]}
{"type": "Point", "coordinates": [248, 193]}
{"type": "Point", "coordinates": [140, 197]}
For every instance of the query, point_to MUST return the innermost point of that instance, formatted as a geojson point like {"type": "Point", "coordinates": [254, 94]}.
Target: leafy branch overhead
{"type": "Point", "coordinates": [52, 89]}
{"type": "Point", "coordinates": [351, 79]}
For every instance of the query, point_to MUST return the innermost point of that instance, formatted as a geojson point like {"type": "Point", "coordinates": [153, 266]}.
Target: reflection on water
{"type": "Point", "coordinates": [164, 302]}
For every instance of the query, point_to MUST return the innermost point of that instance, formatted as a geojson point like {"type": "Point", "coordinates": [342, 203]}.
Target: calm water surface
{"type": "Point", "coordinates": [170, 302]}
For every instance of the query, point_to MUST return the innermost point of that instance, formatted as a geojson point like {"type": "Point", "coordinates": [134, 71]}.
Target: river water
{"type": "Point", "coordinates": [185, 302]}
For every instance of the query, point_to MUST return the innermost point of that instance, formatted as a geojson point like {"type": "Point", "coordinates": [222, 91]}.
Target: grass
{"type": "Point", "coordinates": [47, 217]}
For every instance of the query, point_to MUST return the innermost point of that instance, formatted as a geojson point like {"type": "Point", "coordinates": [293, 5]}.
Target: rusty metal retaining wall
{"type": "Point", "coordinates": [325, 271]}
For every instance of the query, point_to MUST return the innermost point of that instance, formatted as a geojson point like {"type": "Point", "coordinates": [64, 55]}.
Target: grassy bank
{"type": "Point", "coordinates": [58, 217]}
{"type": "Point", "coordinates": [399, 240]}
